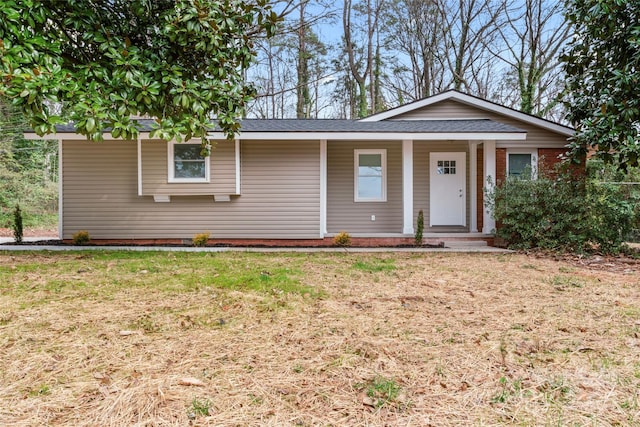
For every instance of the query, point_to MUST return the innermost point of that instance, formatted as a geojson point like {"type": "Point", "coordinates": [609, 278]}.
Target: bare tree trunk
{"type": "Point", "coordinates": [532, 40]}
{"type": "Point", "coordinates": [303, 105]}
{"type": "Point", "coordinates": [470, 27]}
{"type": "Point", "coordinates": [366, 59]}
{"type": "Point", "coordinates": [415, 28]}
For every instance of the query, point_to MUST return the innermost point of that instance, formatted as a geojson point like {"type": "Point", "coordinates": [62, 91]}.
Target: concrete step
{"type": "Point", "coordinates": [464, 243]}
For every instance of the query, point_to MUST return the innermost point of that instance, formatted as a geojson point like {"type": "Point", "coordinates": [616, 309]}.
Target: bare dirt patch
{"type": "Point", "coordinates": [389, 339]}
{"type": "Point", "coordinates": [31, 232]}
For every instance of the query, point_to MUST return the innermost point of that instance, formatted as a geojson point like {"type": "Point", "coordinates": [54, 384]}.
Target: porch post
{"type": "Point", "coordinates": [489, 223]}
{"type": "Point", "coordinates": [473, 183]}
{"type": "Point", "coordinates": [407, 186]}
{"type": "Point", "coordinates": [323, 188]}
{"type": "Point", "coordinates": [139, 166]}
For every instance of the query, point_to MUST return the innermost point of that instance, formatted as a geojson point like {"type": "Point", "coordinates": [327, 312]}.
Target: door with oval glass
{"type": "Point", "coordinates": [448, 199]}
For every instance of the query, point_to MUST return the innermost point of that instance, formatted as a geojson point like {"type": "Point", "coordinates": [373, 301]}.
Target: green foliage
{"type": "Point", "coordinates": [381, 391]}
{"type": "Point", "coordinates": [81, 237]}
{"type": "Point", "coordinates": [602, 66]}
{"type": "Point", "coordinates": [375, 265]}
{"type": "Point", "coordinates": [419, 228]}
{"type": "Point", "coordinates": [200, 240]}
{"type": "Point", "coordinates": [508, 390]}
{"type": "Point", "coordinates": [342, 239]}
{"type": "Point", "coordinates": [561, 214]}
{"type": "Point", "coordinates": [627, 185]}
{"type": "Point", "coordinates": [199, 407]}
{"type": "Point", "coordinates": [18, 232]}
{"type": "Point", "coordinates": [28, 172]}
{"type": "Point", "coordinates": [100, 63]}
{"type": "Point", "coordinates": [41, 390]}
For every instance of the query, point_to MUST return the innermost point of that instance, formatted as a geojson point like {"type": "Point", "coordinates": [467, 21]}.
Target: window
{"type": "Point", "coordinates": [186, 164]}
{"type": "Point", "coordinates": [522, 163]}
{"type": "Point", "coordinates": [370, 176]}
{"type": "Point", "coordinates": [446, 167]}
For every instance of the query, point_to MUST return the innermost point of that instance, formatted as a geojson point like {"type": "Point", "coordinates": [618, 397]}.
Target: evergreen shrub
{"type": "Point", "coordinates": [561, 212]}
{"type": "Point", "coordinates": [18, 231]}
{"type": "Point", "coordinates": [419, 228]}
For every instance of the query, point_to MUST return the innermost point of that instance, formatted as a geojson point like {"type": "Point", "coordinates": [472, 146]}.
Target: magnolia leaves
{"type": "Point", "coordinates": [98, 64]}
{"type": "Point", "coordinates": [602, 64]}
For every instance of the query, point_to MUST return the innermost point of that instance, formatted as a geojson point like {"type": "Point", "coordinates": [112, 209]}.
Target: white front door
{"type": "Point", "coordinates": [448, 198]}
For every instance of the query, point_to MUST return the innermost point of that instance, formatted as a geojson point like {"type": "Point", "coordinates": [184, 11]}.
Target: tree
{"type": "Point", "coordinates": [603, 80]}
{"type": "Point", "coordinates": [28, 170]}
{"type": "Point", "coordinates": [532, 35]}
{"type": "Point", "coordinates": [272, 76]}
{"type": "Point", "coordinates": [362, 58]}
{"type": "Point", "coordinates": [179, 61]}
{"type": "Point", "coordinates": [414, 29]}
{"type": "Point", "coordinates": [292, 62]}
{"type": "Point", "coordinates": [469, 26]}
{"type": "Point", "coordinates": [302, 67]}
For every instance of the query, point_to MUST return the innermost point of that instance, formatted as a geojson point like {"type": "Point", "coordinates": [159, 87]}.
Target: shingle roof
{"type": "Point", "coordinates": [391, 126]}
{"type": "Point", "coordinates": [355, 126]}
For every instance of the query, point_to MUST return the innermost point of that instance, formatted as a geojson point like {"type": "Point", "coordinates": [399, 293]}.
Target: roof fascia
{"type": "Point", "coordinates": [527, 144]}
{"type": "Point", "coordinates": [373, 136]}
{"type": "Point", "coordinates": [475, 102]}
{"type": "Point", "coordinates": [69, 136]}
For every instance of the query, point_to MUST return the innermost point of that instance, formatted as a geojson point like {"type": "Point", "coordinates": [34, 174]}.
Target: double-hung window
{"type": "Point", "coordinates": [186, 162]}
{"type": "Point", "coordinates": [370, 176]}
{"type": "Point", "coordinates": [522, 163]}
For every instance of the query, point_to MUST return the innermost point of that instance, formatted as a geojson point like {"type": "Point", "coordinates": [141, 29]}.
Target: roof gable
{"type": "Point", "coordinates": [473, 101]}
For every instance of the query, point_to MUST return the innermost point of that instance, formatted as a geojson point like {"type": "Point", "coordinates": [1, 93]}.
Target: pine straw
{"type": "Point", "coordinates": [469, 339]}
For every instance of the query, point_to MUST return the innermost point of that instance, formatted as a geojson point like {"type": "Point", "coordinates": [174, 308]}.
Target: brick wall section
{"type": "Point", "coordinates": [548, 158]}
{"type": "Point", "coordinates": [356, 242]}
{"type": "Point", "coordinates": [501, 165]}
{"type": "Point", "coordinates": [480, 188]}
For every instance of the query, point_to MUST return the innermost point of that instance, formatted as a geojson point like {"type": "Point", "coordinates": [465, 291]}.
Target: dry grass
{"type": "Point", "coordinates": [389, 339]}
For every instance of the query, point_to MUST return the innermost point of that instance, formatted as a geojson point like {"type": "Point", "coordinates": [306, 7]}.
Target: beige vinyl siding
{"type": "Point", "coordinates": [451, 109]}
{"type": "Point", "coordinates": [343, 213]}
{"type": "Point", "coordinates": [280, 195]}
{"type": "Point", "coordinates": [421, 174]}
{"type": "Point", "coordinates": [447, 109]}
{"type": "Point", "coordinates": [155, 167]}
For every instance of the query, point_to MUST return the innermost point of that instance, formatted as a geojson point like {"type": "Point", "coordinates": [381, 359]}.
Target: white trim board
{"type": "Point", "coordinates": [373, 136]}
{"type": "Point", "coordinates": [76, 136]}
{"type": "Point", "coordinates": [139, 167]}
{"type": "Point", "coordinates": [323, 187]}
{"type": "Point", "coordinates": [60, 194]}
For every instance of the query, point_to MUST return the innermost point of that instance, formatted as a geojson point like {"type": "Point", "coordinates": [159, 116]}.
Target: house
{"type": "Point", "coordinates": [306, 180]}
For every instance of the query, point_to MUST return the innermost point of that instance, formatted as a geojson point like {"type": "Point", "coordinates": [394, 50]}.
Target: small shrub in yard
{"type": "Point", "coordinates": [200, 240]}
{"type": "Point", "coordinates": [419, 228]}
{"type": "Point", "coordinates": [342, 239]}
{"type": "Point", "coordinates": [81, 237]}
{"type": "Point", "coordinates": [18, 232]}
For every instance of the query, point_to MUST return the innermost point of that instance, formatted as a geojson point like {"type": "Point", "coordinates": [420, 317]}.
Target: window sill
{"type": "Point", "coordinates": [189, 181]}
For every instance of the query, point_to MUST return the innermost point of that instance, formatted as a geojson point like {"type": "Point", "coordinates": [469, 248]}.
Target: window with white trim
{"type": "Point", "coordinates": [370, 176]}
{"type": "Point", "coordinates": [186, 162]}
{"type": "Point", "coordinates": [522, 163]}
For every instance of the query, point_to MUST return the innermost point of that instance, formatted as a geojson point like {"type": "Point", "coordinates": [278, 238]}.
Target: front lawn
{"type": "Point", "coordinates": [157, 338]}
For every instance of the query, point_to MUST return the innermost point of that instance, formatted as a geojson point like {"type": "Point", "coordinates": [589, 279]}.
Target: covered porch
{"type": "Point", "coordinates": [445, 178]}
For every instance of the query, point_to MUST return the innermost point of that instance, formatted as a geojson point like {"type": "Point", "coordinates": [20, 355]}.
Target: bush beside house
{"type": "Point", "coordinates": [560, 212]}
